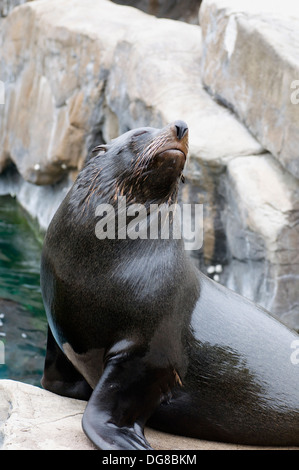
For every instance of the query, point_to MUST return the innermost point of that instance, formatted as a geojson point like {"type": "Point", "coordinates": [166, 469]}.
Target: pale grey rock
{"type": "Point", "coordinates": [261, 218]}
{"type": "Point", "coordinates": [54, 62]}
{"type": "Point", "coordinates": [250, 62]}
{"type": "Point", "coordinates": [6, 6]}
{"type": "Point", "coordinates": [69, 83]}
{"type": "Point", "coordinates": [161, 83]}
{"type": "Point", "coordinates": [34, 419]}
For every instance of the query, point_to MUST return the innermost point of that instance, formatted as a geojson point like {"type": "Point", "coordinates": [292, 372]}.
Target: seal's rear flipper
{"type": "Point", "coordinates": [60, 376]}
{"type": "Point", "coordinates": [126, 395]}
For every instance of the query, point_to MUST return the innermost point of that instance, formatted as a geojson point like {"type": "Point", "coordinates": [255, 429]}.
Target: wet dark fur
{"type": "Point", "coordinates": [138, 331]}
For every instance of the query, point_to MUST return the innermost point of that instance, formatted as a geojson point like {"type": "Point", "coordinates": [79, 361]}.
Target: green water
{"type": "Point", "coordinates": [23, 322]}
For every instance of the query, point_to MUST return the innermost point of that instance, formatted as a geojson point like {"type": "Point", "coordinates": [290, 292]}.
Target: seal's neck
{"type": "Point", "coordinates": [125, 221]}
{"type": "Point", "coordinates": [95, 188]}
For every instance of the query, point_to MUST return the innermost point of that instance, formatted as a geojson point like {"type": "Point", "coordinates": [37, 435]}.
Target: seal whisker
{"type": "Point", "coordinates": [90, 191]}
{"type": "Point", "coordinates": [150, 150]}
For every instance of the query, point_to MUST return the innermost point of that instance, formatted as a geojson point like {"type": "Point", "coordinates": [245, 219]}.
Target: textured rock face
{"type": "Point", "coordinates": [261, 218]}
{"type": "Point", "coordinates": [80, 72]}
{"type": "Point", "coordinates": [251, 62]}
{"type": "Point", "coordinates": [70, 81]}
{"type": "Point", "coordinates": [6, 6]}
{"type": "Point", "coordinates": [54, 84]}
{"type": "Point", "coordinates": [32, 419]}
{"type": "Point", "coordinates": [35, 419]}
{"type": "Point", "coordinates": [55, 80]}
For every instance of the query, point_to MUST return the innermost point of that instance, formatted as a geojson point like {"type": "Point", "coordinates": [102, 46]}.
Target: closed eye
{"type": "Point", "coordinates": [140, 133]}
{"type": "Point", "coordinates": [100, 149]}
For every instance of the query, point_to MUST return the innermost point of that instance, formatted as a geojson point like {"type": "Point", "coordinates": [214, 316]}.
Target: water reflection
{"type": "Point", "coordinates": [23, 322]}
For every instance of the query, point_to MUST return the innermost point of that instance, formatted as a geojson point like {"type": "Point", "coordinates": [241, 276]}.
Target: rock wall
{"type": "Point", "coordinates": [80, 72]}
{"type": "Point", "coordinates": [251, 63]}
{"type": "Point", "coordinates": [6, 6]}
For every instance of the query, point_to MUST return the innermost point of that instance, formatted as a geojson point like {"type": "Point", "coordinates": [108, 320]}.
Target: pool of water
{"type": "Point", "coordinates": [23, 323]}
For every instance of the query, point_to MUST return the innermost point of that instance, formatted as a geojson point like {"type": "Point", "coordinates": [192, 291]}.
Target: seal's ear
{"type": "Point", "coordinates": [100, 149]}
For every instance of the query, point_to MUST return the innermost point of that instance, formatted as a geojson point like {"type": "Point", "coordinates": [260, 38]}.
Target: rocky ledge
{"type": "Point", "coordinates": [34, 419]}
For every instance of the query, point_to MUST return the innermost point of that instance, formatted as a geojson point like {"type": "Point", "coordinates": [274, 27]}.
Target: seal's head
{"type": "Point", "coordinates": [143, 164]}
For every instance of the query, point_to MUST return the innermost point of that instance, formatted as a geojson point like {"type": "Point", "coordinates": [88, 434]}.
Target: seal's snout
{"type": "Point", "coordinates": [174, 148]}
{"type": "Point", "coordinates": [181, 129]}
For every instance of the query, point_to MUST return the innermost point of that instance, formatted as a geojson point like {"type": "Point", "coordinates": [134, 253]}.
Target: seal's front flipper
{"type": "Point", "coordinates": [60, 376]}
{"type": "Point", "coordinates": [127, 394]}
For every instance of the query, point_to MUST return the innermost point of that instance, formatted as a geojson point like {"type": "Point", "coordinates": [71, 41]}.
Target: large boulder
{"type": "Point", "coordinates": [69, 82]}
{"type": "Point", "coordinates": [261, 217]}
{"type": "Point", "coordinates": [54, 64]}
{"type": "Point", "coordinates": [250, 62]}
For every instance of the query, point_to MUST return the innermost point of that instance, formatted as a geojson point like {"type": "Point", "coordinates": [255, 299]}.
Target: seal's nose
{"type": "Point", "coordinates": [181, 129]}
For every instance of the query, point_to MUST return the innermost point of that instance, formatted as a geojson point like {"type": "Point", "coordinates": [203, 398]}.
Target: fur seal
{"type": "Point", "coordinates": [139, 332]}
